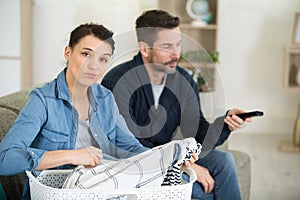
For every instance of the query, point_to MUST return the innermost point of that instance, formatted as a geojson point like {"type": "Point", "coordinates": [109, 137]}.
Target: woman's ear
{"type": "Point", "coordinates": [67, 52]}
{"type": "Point", "coordinates": [144, 49]}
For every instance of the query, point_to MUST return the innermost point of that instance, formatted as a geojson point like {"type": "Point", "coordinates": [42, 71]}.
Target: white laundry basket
{"type": "Point", "coordinates": [48, 186]}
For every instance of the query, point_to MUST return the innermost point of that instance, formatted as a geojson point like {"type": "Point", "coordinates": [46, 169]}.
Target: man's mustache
{"type": "Point", "coordinates": [171, 61]}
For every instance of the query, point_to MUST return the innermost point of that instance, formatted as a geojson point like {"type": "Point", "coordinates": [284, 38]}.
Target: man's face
{"type": "Point", "coordinates": [165, 51]}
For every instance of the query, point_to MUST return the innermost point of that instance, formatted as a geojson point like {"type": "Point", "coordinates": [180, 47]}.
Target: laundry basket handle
{"type": "Point", "coordinates": [191, 172]}
{"type": "Point", "coordinates": [29, 174]}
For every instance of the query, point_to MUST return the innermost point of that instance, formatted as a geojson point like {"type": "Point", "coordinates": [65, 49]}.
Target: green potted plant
{"type": "Point", "coordinates": [202, 65]}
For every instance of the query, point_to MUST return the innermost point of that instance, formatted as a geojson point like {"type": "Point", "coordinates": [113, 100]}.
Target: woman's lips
{"type": "Point", "coordinates": [91, 75]}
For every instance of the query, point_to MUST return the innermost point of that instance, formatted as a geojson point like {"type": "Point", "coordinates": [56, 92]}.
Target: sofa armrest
{"type": "Point", "coordinates": [7, 118]}
{"type": "Point", "coordinates": [10, 106]}
{"type": "Point", "coordinates": [243, 168]}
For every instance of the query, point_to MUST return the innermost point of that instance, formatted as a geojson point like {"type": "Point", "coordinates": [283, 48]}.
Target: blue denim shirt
{"type": "Point", "coordinates": [49, 121]}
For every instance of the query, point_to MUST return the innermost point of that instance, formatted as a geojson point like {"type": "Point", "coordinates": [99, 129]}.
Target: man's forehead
{"type": "Point", "coordinates": [169, 35]}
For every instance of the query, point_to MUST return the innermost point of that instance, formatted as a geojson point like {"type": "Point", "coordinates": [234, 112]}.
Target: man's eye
{"type": "Point", "coordinates": [166, 46]}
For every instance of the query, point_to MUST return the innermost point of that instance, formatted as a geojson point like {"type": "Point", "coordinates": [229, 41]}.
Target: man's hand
{"type": "Point", "coordinates": [233, 121]}
{"type": "Point", "coordinates": [193, 159]}
{"type": "Point", "coordinates": [204, 178]}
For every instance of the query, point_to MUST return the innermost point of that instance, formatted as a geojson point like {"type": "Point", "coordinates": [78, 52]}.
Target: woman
{"type": "Point", "coordinates": [71, 120]}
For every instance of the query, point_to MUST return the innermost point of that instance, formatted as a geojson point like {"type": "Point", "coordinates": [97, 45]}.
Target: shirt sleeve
{"type": "Point", "coordinates": [16, 153]}
{"type": "Point", "coordinates": [208, 134]}
{"type": "Point", "coordinates": [126, 142]}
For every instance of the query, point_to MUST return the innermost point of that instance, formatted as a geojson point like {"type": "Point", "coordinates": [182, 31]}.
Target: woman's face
{"type": "Point", "coordinates": [87, 61]}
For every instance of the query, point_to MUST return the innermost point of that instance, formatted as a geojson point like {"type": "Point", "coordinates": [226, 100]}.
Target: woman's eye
{"type": "Point", "coordinates": [85, 54]}
{"type": "Point", "coordinates": [104, 60]}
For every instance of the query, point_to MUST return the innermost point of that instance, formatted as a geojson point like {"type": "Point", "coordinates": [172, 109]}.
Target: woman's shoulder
{"type": "Point", "coordinates": [45, 88]}
{"type": "Point", "coordinates": [100, 91]}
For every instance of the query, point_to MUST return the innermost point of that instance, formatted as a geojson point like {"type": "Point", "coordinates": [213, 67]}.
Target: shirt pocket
{"type": "Point", "coordinates": [52, 140]}
{"type": "Point", "coordinates": [111, 135]}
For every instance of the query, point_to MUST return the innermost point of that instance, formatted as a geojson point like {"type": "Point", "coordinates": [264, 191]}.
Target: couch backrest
{"type": "Point", "coordinates": [10, 106]}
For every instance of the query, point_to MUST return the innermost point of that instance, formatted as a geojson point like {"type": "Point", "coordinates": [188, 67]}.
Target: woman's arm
{"type": "Point", "coordinates": [16, 155]}
{"type": "Point", "coordinates": [89, 157]}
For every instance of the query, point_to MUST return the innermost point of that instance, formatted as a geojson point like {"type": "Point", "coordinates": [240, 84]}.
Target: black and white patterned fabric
{"type": "Point", "coordinates": [173, 175]}
{"type": "Point", "coordinates": [158, 166]}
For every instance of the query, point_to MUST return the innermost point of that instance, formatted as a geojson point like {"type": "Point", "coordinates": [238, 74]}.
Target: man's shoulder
{"type": "Point", "coordinates": [119, 70]}
{"type": "Point", "coordinates": [184, 72]}
{"type": "Point", "coordinates": [116, 73]}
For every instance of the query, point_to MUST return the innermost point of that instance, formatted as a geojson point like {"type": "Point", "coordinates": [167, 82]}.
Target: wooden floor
{"type": "Point", "coordinates": [275, 174]}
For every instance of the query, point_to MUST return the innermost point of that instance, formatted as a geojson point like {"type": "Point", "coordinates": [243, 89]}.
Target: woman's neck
{"type": "Point", "coordinates": [79, 95]}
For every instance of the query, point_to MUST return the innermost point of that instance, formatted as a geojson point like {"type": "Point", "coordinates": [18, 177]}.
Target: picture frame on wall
{"type": "Point", "coordinates": [295, 41]}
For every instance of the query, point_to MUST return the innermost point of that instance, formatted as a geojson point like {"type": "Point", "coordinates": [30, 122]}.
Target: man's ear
{"type": "Point", "coordinates": [144, 49]}
{"type": "Point", "coordinates": [67, 52]}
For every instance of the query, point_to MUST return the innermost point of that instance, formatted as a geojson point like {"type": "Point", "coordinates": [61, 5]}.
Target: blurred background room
{"type": "Point", "coordinates": [258, 45]}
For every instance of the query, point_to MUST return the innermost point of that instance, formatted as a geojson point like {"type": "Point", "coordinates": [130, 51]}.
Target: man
{"type": "Point", "coordinates": [156, 96]}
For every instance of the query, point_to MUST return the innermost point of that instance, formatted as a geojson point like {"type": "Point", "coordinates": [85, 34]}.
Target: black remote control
{"type": "Point", "coordinates": [243, 116]}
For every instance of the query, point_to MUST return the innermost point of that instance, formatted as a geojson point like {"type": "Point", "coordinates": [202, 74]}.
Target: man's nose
{"type": "Point", "coordinates": [175, 52]}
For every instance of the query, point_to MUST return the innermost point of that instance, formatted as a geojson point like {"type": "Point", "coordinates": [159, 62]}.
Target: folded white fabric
{"type": "Point", "coordinates": [155, 167]}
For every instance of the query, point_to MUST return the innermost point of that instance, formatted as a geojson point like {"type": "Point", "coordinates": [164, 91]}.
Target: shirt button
{"type": "Point", "coordinates": [32, 153]}
{"type": "Point", "coordinates": [95, 135]}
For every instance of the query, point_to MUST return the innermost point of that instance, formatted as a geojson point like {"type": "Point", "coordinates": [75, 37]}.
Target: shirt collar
{"type": "Point", "coordinates": [62, 88]}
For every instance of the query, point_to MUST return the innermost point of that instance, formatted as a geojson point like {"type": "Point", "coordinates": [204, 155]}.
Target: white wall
{"type": "Point", "coordinates": [10, 48]}
{"type": "Point", "coordinates": [55, 19]}
{"type": "Point", "coordinates": [252, 35]}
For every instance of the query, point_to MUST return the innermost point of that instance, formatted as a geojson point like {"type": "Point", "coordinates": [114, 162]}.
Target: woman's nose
{"type": "Point", "coordinates": [93, 63]}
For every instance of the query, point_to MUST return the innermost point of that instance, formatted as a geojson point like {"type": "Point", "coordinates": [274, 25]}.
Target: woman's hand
{"type": "Point", "coordinates": [89, 156]}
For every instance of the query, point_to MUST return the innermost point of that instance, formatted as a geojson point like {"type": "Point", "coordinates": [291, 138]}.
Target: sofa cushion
{"type": "Point", "coordinates": [15, 101]}
{"type": "Point", "coordinates": [12, 185]}
{"type": "Point", "coordinates": [243, 168]}
{"type": "Point", "coordinates": [10, 106]}
{"type": "Point", "coordinates": [7, 118]}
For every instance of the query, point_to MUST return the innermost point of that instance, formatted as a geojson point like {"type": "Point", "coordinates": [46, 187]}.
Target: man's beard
{"type": "Point", "coordinates": [171, 61]}
{"type": "Point", "coordinates": [162, 67]}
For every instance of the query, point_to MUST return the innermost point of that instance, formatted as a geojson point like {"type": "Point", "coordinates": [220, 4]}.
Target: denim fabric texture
{"type": "Point", "coordinates": [49, 121]}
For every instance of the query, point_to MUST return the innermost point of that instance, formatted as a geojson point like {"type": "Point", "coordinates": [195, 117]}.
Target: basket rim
{"type": "Point", "coordinates": [33, 179]}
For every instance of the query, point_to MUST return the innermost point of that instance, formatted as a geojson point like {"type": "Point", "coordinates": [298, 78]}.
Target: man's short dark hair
{"type": "Point", "coordinates": [153, 21]}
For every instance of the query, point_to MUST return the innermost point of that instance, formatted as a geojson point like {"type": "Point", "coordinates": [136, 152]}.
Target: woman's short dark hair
{"type": "Point", "coordinates": [153, 21]}
{"type": "Point", "coordinates": [93, 29]}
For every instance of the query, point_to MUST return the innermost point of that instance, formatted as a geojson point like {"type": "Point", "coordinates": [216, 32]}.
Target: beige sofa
{"type": "Point", "coordinates": [10, 107]}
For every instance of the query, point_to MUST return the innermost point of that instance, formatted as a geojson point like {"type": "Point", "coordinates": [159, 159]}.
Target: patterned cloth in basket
{"type": "Point", "coordinates": [155, 167]}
